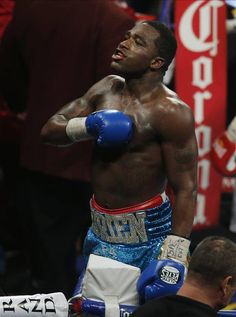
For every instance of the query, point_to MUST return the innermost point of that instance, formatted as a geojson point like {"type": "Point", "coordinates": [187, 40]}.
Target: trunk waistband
{"type": "Point", "coordinates": [135, 224]}
{"type": "Point", "coordinates": [150, 203]}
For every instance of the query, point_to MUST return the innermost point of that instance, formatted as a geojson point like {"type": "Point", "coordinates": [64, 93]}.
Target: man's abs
{"type": "Point", "coordinates": [127, 180]}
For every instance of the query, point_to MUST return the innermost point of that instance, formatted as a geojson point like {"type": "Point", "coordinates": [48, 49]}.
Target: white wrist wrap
{"type": "Point", "coordinates": [176, 248]}
{"type": "Point", "coordinates": [76, 130]}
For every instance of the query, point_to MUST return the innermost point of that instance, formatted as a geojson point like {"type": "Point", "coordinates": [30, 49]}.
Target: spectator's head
{"type": "Point", "coordinates": [213, 268]}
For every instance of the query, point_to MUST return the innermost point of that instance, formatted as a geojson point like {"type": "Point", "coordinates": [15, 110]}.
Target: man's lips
{"type": "Point", "coordinates": [118, 55]}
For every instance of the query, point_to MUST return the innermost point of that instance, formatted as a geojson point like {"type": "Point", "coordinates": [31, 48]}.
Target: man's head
{"type": "Point", "coordinates": [149, 46]}
{"type": "Point", "coordinates": [213, 265]}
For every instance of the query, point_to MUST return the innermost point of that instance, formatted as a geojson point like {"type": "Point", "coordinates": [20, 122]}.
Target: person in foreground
{"type": "Point", "coordinates": [208, 287]}
{"type": "Point", "coordinates": [143, 138]}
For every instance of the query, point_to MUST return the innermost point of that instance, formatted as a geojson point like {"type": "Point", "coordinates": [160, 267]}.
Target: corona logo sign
{"type": "Point", "coordinates": [201, 83]}
{"type": "Point", "coordinates": [207, 38]}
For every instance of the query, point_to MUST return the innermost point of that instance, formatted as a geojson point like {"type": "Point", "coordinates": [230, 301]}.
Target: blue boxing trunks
{"type": "Point", "coordinates": [131, 235]}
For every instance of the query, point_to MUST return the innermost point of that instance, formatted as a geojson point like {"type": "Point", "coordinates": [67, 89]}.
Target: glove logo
{"type": "Point", "coordinates": [169, 275]}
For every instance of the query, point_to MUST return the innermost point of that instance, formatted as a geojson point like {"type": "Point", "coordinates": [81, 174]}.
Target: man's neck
{"type": "Point", "coordinates": [144, 86]}
{"type": "Point", "coordinates": [199, 293]}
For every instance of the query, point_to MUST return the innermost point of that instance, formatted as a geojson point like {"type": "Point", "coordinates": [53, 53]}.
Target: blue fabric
{"type": "Point", "coordinates": [157, 224]}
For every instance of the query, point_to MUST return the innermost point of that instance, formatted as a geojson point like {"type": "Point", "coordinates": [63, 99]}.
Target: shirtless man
{"type": "Point", "coordinates": [143, 138]}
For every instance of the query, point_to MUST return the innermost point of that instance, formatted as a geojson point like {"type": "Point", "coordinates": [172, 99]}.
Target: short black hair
{"type": "Point", "coordinates": [166, 43]}
{"type": "Point", "coordinates": [214, 259]}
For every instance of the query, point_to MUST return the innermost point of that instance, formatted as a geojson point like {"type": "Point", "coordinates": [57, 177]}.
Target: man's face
{"type": "Point", "coordinates": [136, 52]}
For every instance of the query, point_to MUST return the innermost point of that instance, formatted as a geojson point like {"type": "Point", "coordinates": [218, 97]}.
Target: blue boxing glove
{"type": "Point", "coordinates": [166, 275]}
{"type": "Point", "coordinates": [110, 127]}
{"type": "Point", "coordinates": [160, 278]}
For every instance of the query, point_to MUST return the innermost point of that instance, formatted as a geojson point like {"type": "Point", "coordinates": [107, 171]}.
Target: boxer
{"type": "Point", "coordinates": [143, 136]}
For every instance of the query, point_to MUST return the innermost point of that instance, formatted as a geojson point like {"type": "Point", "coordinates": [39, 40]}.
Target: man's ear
{"type": "Point", "coordinates": [157, 63]}
{"type": "Point", "coordinates": [226, 285]}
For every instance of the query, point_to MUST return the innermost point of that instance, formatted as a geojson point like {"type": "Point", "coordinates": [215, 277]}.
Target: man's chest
{"type": "Point", "coordinates": [141, 113]}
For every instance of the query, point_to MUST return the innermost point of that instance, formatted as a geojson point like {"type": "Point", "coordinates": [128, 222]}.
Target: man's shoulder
{"type": "Point", "coordinates": [115, 79]}
{"type": "Point", "coordinates": [171, 99]}
{"type": "Point", "coordinates": [173, 115]}
{"type": "Point", "coordinates": [174, 305]}
{"type": "Point", "coordinates": [111, 81]}
{"type": "Point", "coordinates": [106, 85]}
{"type": "Point", "coordinates": [169, 103]}
{"type": "Point", "coordinates": [176, 106]}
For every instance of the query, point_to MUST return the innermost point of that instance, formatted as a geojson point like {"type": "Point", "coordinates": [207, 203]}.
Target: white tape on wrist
{"type": "Point", "coordinates": [176, 248]}
{"type": "Point", "coordinates": [76, 130]}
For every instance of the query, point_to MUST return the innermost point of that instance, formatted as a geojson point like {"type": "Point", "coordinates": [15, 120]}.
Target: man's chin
{"type": "Point", "coordinates": [117, 68]}
{"type": "Point", "coordinates": [115, 65]}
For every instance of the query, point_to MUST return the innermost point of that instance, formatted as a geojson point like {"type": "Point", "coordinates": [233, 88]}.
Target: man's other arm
{"type": "Point", "coordinates": [179, 149]}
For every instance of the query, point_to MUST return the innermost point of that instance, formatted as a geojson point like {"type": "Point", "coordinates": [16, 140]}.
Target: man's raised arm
{"type": "Point", "coordinates": [79, 121]}
{"type": "Point", "coordinates": [54, 132]}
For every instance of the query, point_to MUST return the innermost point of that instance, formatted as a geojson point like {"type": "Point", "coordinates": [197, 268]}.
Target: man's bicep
{"type": "Point", "coordinates": [180, 160]}
{"type": "Point", "coordinates": [75, 108]}
{"type": "Point", "coordinates": [83, 106]}
{"type": "Point", "coordinates": [179, 145]}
